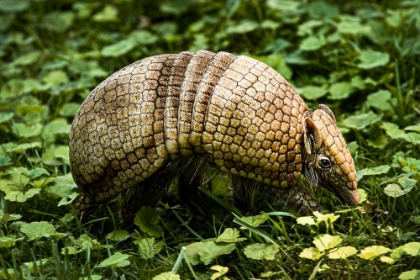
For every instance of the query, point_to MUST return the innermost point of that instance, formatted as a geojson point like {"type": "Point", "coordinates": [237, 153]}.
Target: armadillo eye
{"type": "Point", "coordinates": [325, 162]}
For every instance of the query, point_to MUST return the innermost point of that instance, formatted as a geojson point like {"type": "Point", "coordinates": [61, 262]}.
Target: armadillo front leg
{"type": "Point", "coordinates": [300, 200]}
{"type": "Point", "coordinates": [251, 196]}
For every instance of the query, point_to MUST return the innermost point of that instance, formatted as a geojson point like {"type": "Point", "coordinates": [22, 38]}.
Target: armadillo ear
{"type": "Point", "coordinates": [328, 111]}
{"type": "Point", "coordinates": [311, 137]}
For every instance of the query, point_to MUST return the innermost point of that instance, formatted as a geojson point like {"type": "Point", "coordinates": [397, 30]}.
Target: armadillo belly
{"type": "Point", "coordinates": [239, 111]}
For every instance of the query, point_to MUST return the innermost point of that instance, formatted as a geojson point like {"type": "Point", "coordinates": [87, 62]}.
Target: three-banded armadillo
{"type": "Point", "coordinates": [236, 113]}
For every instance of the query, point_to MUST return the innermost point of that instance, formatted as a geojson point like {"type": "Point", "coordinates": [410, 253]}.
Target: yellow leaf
{"type": "Point", "coordinates": [387, 260]}
{"type": "Point", "coordinates": [325, 241]}
{"type": "Point", "coordinates": [373, 251]}
{"type": "Point", "coordinates": [221, 270]}
{"type": "Point", "coordinates": [311, 253]}
{"type": "Point", "coordinates": [305, 221]}
{"type": "Point", "coordinates": [342, 252]}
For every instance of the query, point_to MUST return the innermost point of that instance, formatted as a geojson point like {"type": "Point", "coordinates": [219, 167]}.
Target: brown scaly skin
{"type": "Point", "coordinates": [137, 126]}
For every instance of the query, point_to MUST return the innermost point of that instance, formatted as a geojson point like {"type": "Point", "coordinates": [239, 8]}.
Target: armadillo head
{"type": "Point", "coordinates": [328, 161]}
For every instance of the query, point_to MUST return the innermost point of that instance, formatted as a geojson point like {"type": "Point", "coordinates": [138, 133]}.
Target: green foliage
{"type": "Point", "coordinates": [361, 58]}
{"type": "Point", "coordinates": [36, 230]}
{"type": "Point", "coordinates": [147, 219]}
{"type": "Point", "coordinates": [259, 251]}
{"type": "Point", "coordinates": [116, 260]}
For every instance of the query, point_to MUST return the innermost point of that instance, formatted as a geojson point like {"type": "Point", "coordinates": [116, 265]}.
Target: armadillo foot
{"type": "Point", "coordinates": [83, 203]}
{"type": "Point", "coordinates": [306, 203]}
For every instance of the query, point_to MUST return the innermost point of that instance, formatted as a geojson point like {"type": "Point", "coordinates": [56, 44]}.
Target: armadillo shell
{"type": "Point", "coordinates": [239, 111]}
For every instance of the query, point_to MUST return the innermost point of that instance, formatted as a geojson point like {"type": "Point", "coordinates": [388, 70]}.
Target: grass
{"type": "Point", "coordinates": [360, 58]}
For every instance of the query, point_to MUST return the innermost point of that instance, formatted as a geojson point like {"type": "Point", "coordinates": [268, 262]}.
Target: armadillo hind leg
{"type": "Point", "coordinates": [147, 193]}
{"type": "Point", "coordinates": [188, 170]}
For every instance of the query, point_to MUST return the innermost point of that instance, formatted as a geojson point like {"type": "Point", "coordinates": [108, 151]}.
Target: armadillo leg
{"type": "Point", "coordinates": [189, 194]}
{"type": "Point", "coordinates": [189, 191]}
{"type": "Point", "coordinates": [245, 194]}
{"type": "Point", "coordinates": [251, 196]}
{"type": "Point", "coordinates": [301, 200]}
{"type": "Point", "coordinates": [193, 172]}
{"type": "Point", "coordinates": [146, 193]}
{"type": "Point", "coordinates": [149, 192]}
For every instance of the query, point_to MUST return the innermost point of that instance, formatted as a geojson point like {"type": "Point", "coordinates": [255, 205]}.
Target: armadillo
{"type": "Point", "coordinates": [233, 112]}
